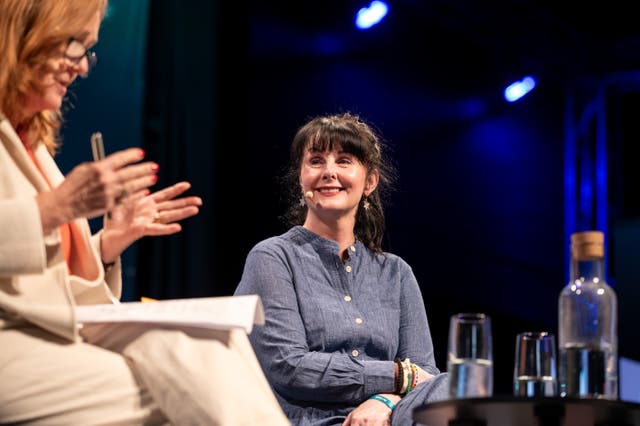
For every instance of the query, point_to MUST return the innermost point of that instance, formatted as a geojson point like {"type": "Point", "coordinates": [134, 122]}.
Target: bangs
{"type": "Point", "coordinates": [339, 139]}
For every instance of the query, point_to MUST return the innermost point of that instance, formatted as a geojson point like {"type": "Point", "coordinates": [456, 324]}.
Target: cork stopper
{"type": "Point", "coordinates": [587, 245]}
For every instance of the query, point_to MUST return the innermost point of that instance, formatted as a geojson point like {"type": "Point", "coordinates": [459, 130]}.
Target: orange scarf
{"type": "Point", "coordinates": [65, 229]}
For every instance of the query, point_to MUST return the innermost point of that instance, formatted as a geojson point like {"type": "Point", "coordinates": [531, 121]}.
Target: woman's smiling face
{"type": "Point", "coordinates": [55, 76]}
{"type": "Point", "coordinates": [337, 180]}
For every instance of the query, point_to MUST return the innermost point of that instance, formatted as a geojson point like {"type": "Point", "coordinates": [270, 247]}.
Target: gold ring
{"type": "Point", "coordinates": [156, 217]}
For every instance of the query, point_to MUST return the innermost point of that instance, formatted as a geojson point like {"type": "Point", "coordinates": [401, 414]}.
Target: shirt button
{"type": "Point", "coordinates": [353, 248]}
{"type": "Point", "coordinates": [358, 320]}
{"type": "Point", "coordinates": [347, 298]}
{"type": "Point", "coordinates": [355, 352]}
{"type": "Point", "coordinates": [348, 268]}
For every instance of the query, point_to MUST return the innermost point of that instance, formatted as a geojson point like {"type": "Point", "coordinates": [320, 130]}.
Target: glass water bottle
{"type": "Point", "coordinates": [587, 322]}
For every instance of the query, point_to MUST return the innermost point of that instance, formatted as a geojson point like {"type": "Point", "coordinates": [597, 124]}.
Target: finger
{"type": "Point", "coordinates": [180, 203]}
{"type": "Point", "coordinates": [347, 421]}
{"type": "Point", "coordinates": [171, 191]}
{"type": "Point", "coordinates": [133, 186]}
{"type": "Point", "coordinates": [116, 184]}
{"type": "Point", "coordinates": [175, 215]}
{"type": "Point", "coordinates": [160, 229]}
{"type": "Point", "coordinates": [139, 176]}
{"type": "Point", "coordinates": [123, 158]}
{"type": "Point", "coordinates": [135, 171]}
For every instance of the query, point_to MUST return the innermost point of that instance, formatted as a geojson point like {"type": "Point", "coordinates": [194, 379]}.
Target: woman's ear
{"type": "Point", "coordinates": [372, 182]}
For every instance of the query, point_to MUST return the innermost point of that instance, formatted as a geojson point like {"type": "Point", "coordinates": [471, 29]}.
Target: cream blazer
{"type": "Point", "coordinates": [35, 285]}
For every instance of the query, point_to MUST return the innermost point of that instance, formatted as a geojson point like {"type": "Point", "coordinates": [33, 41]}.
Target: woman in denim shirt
{"type": "Point", "coordinates": [346, 339]}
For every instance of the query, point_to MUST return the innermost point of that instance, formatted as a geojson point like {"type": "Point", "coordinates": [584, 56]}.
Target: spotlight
{"type": "Point", "coordinates": [369, 16]}
{"type": "Point", "coordinates": [519, 89]}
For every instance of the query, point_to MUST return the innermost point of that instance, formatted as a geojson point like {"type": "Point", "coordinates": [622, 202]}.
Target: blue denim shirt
{"type": "Point", "coordinates": [332, 330]}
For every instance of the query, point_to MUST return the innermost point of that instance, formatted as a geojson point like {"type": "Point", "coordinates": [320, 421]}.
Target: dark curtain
{"type": "Point", "coordinates": [188, 95]}
{"type": "Point", "coordinates": [110, 101]}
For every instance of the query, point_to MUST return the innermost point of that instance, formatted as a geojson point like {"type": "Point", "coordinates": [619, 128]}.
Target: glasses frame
{"type": "Point", "coordinates": [92, 58]}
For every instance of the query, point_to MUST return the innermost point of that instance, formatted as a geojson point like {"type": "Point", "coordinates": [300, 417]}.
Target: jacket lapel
{"type": "Point", "coordinates": [14, 146]}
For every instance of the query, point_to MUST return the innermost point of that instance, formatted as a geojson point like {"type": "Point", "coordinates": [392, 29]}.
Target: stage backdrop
{"type": "Point", "coordinates": [110, 100]}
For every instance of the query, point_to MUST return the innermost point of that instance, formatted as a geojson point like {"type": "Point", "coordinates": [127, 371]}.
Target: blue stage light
{"type": "Point", "coordinates": [519, 89]}
{"type": "Point", "coordinates": [369, 16]}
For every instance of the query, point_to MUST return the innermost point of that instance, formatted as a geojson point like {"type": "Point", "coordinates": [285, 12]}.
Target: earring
{"type": "Point", "coordinates": [365, 203]}
{"type": "Point", "coordinates": [302, 201]}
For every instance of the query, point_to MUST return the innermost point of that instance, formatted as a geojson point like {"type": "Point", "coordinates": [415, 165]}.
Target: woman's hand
{"type": "Point", "coordinates": [371, 413]}
{"type": "Point", "coordinates": [142, 215]}
{"type": "Point", "coordinates": [93, 188]}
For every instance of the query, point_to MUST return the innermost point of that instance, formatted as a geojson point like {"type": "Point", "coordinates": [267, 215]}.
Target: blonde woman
{"type": "Point", "coordinates": [50, 263]}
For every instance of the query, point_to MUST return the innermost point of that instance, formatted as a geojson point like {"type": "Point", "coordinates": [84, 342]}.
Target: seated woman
{"type": "Point", "coordinates": [346, 339]}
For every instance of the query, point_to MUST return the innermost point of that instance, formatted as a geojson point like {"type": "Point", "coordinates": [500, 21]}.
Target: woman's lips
{"type": "Point", "coordinates": [62, 87]}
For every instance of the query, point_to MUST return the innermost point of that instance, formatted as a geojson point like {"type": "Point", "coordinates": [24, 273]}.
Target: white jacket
{"type": "Point", "coordinates": [35, 284]}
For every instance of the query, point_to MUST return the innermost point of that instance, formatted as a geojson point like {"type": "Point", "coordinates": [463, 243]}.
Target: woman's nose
{"type": "Point", "coordinates": [329, 170]}
{"type": "Point", "coordinates": [82, 66]}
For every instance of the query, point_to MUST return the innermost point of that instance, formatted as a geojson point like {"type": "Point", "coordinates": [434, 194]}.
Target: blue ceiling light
{"type": "Point", "coordinates": [519, 89]}
{"type": "Point", "coordinates": [369, 16]}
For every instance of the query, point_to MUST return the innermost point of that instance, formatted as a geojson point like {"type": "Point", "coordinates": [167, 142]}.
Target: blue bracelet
{"type": "Point", "coordinates": [386, 401]}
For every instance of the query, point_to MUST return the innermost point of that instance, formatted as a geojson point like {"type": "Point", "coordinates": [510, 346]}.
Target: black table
{"type": "Point", "coordinates": [520, 411]}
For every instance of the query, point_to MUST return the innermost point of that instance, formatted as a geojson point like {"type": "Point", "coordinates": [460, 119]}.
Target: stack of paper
{"type": "Point", "coordinates": [207, 312]}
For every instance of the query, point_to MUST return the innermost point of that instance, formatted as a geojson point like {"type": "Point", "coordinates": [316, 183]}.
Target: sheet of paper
{"type": "Point", "coordinates": [207, 312]}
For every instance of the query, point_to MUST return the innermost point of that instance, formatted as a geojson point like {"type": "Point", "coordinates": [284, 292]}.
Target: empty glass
{"type": "Point", "coordinates": [470, 356]}
{"type": "Point", "coordinates": [534, 372]}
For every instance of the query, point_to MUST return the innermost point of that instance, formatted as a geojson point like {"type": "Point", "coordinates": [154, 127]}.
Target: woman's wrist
{"type": "Point", "coordinates": [109, 247]}
{"type": "Point", "coordinates": [407, 376]}
{"type": "Point", "coordinates": [386, 401]}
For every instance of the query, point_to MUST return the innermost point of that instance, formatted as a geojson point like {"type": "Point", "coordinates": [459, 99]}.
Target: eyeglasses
{"type": "Point", "coordinates": [76, 51]}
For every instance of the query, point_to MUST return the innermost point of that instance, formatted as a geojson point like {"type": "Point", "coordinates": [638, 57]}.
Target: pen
{"type": "Point", "coordinates": [97, 148]}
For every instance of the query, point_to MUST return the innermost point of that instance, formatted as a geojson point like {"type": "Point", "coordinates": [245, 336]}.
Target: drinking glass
{"type": "Point", "coordinates": [470, 356]}
{"type": "Point", "coordinates": [534, 372]}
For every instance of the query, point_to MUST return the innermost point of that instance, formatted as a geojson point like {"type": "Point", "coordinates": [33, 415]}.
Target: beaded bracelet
{"type": "Point", "coordinates": [414, 382]}
{"type": "Point", "coordinates": [397, 383]}
{"type": "Point", "coordinates": [386, 401]}
{"type": "Point", "coordinates": [405, 378]}
{"type": "Point", "coordinates": [409, 373]}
